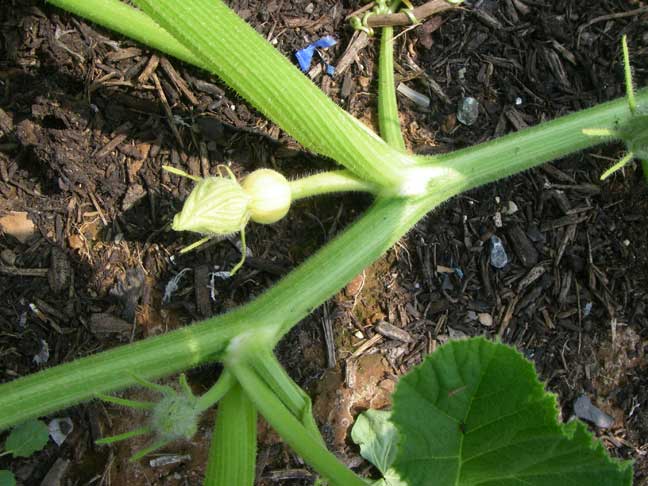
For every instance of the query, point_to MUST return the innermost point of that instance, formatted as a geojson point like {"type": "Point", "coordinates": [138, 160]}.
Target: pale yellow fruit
{"type": "Point", "coordinates": [269, 194]}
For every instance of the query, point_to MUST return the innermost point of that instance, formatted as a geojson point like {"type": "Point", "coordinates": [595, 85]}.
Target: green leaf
{"type": "Point", "coordinates": [7, 478]}
{"type": "Point", "coordinates": [475, 413]}
{"type": "Point", "coordinates": [27, 438]}
{"type": "Point", "coordinates": [378, 441]}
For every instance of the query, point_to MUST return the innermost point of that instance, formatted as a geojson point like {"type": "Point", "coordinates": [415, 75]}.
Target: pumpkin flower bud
{"type": "Point", "coordinates": [220, 206]}
{"type": "Point", "coordinates": [176, 416]}
{"type": "Point", "coordinates": [216, 206]}
{"type": "Point", "coordinates": [270, 195]}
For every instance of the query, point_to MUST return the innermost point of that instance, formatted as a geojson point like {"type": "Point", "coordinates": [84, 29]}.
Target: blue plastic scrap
{"type": "Point", "coordinates": [305, 56]}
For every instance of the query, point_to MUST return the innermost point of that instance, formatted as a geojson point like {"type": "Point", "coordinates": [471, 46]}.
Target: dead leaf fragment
{"type": "Point", "coordinates": [18, 225]}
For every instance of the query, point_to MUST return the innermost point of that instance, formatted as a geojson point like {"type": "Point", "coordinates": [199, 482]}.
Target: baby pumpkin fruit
{"type": "Point", "coordinates": [270, 195]}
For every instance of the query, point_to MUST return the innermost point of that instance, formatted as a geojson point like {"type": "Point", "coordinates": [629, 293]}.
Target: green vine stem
{"type": "Point", "coordinates": [245, 61]}
{"type": "Point", "coordinates": [329, 182]}
{"type": "Point", "coordinates": [232, 453]}
{"type": "Point", "coordinates": [292, 431]}
{"type": "Point", "coordinates": [388, 119]}
{"type": "Point", "coordinates": [274, 375]}
{"type": "Point", "coordinates": [120, 17]}
{"type": "Point", "coordinates": [505, 156]}
{"type": "Point", "coordinates": [306, 287]}
{"type": "Point", "coordinates": [224, 384]}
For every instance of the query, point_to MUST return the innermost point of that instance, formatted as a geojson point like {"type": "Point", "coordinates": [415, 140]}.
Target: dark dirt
{"type": "Point", "coordinates": [83, 134]}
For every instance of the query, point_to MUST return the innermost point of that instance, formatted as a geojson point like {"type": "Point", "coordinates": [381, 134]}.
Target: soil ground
{"type": "Point", "coordinates": [83, 136]}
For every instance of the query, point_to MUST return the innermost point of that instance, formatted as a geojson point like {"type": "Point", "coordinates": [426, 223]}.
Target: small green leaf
{"type": "Point", "coordinates": [377, 438]}
{"type": "Point", "coordinates": [378, 441]}
{"type": "Point", "coordinates": [7, 478]}
{"type": "Point", "coordinates": [475, 413]}
{"type": "Point", "coordinates": [27, 438]}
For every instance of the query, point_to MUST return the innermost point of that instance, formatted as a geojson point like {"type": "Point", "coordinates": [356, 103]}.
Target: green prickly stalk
{"type": "Point", "coordinates": [634, 131]}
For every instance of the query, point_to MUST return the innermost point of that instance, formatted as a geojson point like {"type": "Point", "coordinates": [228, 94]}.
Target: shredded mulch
{"type": "Point", "coordinates": [88, 118]}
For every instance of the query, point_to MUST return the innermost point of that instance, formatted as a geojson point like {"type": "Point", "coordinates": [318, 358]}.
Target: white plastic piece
{"type": "Point", "coordinates": [60, 428]}
{"type": "Point", "coordinates": [418, 98]}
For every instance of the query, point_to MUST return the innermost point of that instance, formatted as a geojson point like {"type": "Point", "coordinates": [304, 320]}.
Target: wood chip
{"type": "Point", "coordinates": [421, 12]}
{"type": "Point", "coordinates": [568, 236]}
{"type": "Point", "coordinates": [167, 110]}
{"type": "Point", "coordinates": [178, 81]}
{"type": "Point", "coordinates": [149, 69]}
{"type": "Point", "coordinates": [392, 332]}
{"type": "Point", "coordinates": [522, 246]}
{"type": "Point", "coordinates": [329, 338]}
{"type": "Point", "coordinates": [109, 147]}
{"type": "Point", "coordinates": [24, 272]}
{"type": "Point", "coordinates": [6, 123]}
{"type": "Point", "coordinates": [134, 193]}
{"type": "Point", "coordinates": [103, 323]}
{"type": "Point", "coordinates": [60, 271]}
{"type": "Point", "coordinates": [359, 41]}
{"type": "Point", "coordinates": [508, 315]}
{"type": "Point", "coordinates": [354, 287]}
{"type": "Point", "coordinates": [485, 319]}
{"type": "Point", "coordinates": [534, 274]}
{"type": "Point", "coordinates": [123, 54]}
{"type": "Point", "coordinates": [368, 344]}
{"type": "Point", "coordinates": [201, 287]}
{"type": "Point", "coordinates": [56, 473]}
{"type": "Point", "coordinates": [563, 221]}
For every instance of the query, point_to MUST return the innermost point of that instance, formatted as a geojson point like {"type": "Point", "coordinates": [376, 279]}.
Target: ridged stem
{"type": "Point", "coordinates": [116, 15]}
{"type": "Point", "coordinates": [388, 119]}
{"type": "Point", "coordinates": [292, 431]}
{"type": "Point", "coordinates": [242, 58]}
{"type": "Point", "coordinates": [265, 364]}
{"type": "Point", "coordinates": [232, 454]}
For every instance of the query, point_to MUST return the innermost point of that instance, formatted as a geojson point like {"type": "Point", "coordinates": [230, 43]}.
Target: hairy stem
{"type": "Point", "coordinates": [527, 148]}
{"type": "Point", "coordinates": [292, 431]}
{"type": "Point", "coordinates": [225, 382]}
{"type": "Point", "coordinates": [116, 15]}
{"type": "Point", "coordinates": [242, 58]}
{"type": "Point", "coordinates": [232, 454]}
{"type": "Point", "coordinates": [390, 128]}
{"type": "Point", "coordinates": [329, 182]}
{"type": "Point", "coordinates": [285, 389]}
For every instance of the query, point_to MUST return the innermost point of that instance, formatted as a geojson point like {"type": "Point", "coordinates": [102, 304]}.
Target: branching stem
{"type": "Point", "coordinates": [291, 430]}
{"type": "Point", "coordinates": [343, 258]}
